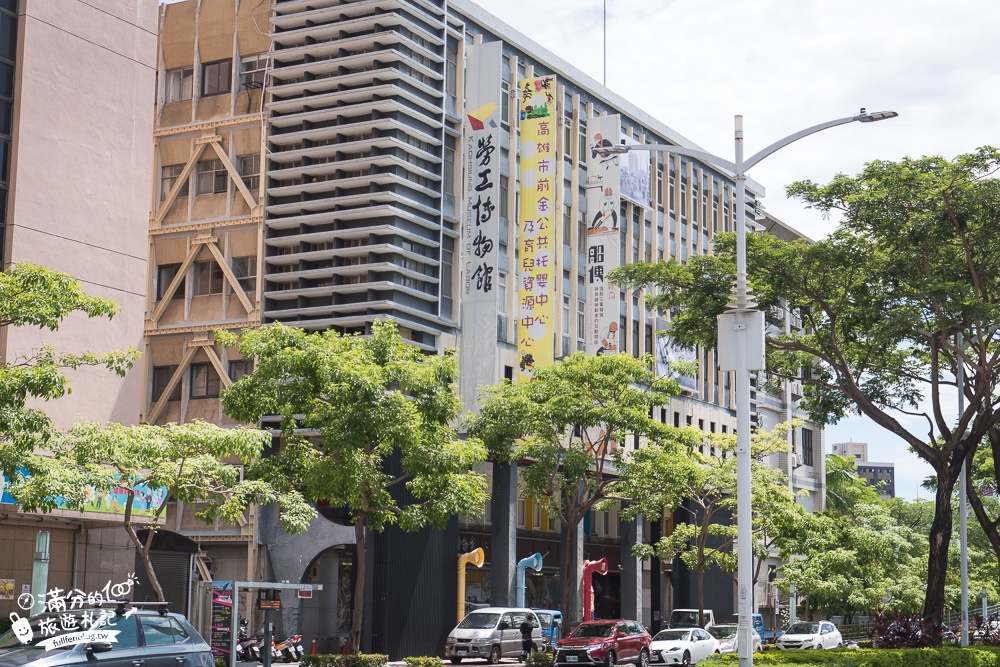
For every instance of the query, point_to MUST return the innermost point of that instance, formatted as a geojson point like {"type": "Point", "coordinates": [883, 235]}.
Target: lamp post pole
{"type": "Point", "coordinates": [741, 347]}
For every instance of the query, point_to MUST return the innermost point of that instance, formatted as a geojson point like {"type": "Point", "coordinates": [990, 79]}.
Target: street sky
{"type": "Point", "coordinates": [786, 65]}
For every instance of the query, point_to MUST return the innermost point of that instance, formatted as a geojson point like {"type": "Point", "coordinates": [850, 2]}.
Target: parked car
{"type": "Point", "coordinates": [551, 620]}
{"type": "Point", "coordinates": [682, 646]}
{"type": "Point", "coordinates": [805, 635]}
{"type": "Point", "coordinates": [144, 636]}
{"type": "Point", "coordinates": [493, 633]}
{"type": "Point", "coordinates": [688, 618]}
{"type": "Point", "coordinates": [726, 634]}
{"type": "Point", "coordinates": [604, 642]}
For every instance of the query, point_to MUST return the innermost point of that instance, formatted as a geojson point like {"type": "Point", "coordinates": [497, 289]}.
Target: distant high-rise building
{"type": "Point", "coordinates": [874, 473]}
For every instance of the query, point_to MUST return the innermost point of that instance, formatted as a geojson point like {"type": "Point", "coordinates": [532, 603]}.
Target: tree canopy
{"type": "Point", "coordinates": [880, 303]}
{"type": "Point", "coordinates": [367, 423]}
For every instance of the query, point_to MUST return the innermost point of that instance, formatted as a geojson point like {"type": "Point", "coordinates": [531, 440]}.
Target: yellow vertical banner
{"type": "Point", "coordinates": [538, 238]}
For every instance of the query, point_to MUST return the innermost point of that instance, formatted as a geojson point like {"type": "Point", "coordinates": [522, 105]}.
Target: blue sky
{"type": "Point", "coordinates": [786, 65]}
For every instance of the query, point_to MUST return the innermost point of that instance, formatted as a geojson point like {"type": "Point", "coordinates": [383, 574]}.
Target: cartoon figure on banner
{"type": "Point", "coordinates": [609, 341]}
{"type": "Point", "coordinates": [607, 212]}
{"type": "Point", "coordinates": [600, 149]}
{"type": "Point", "coordinates": [527, 364]}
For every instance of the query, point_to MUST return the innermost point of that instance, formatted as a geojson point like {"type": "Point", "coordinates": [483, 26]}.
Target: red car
{"type": "Point", "coordinates": [604, 643]}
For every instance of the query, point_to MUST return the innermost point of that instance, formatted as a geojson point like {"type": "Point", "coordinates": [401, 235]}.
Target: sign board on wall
{"type": "Point", "coordinates": [603, 235]}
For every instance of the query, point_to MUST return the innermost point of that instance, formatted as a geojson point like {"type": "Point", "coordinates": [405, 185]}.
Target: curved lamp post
{"type": "Point", "coordinates": [741, 342]}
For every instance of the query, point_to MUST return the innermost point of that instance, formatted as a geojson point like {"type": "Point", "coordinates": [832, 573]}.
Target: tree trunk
{"type": "Point", "coordinates": [143, 549]}
{"type": "Point", "coordinates": [940, 536]}
{"type": "Point", "coordinates": [354, 640]}
{"type": "Point", "coordinates": [571, 607]}
{"type": "Point", "coordinates": [701, 591]}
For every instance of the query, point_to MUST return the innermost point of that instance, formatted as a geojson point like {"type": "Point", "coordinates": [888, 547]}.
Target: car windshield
{"type": "Point", "coordinates": [594, 630]}
{"type": "Point", "coordinates": [479, 621]}
{"type": "Point", "coordinates": [672, 635]}
{"type": "Point", "coordinates": [723, 631]}
{"type": "Point", "coordinates": [804, 629]}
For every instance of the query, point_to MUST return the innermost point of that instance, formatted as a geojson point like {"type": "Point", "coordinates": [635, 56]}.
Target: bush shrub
{"type": "Point", "coordinates": [337, 660]}
{"type": "Point", "coordinates": [423, 661]}
{"type": "Point", "coordinates": [539, 659]}
{"type": "Point", "coordinates": [221, 662]}
{"type": "Point", "coordinates": [909, 657]}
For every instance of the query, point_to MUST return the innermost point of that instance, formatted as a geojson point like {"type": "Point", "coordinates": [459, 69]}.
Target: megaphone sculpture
{"type": "Point", "coordinates": [534, 561]}
{"type": "Point", "coordinates": [477, 558]}
{"type": "Point", "coordinates": [589, 568]}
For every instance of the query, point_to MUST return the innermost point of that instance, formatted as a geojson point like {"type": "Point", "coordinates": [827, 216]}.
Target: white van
{"type": "Point", "coordinates": [492, 633]}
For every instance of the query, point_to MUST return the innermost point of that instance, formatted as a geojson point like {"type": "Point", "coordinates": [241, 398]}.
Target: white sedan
{"type": "Point", "coordinates": [805, 635]}
{"type": "Point", "coordinates": [726, 634]}
{"type": "Point", "coordinates": [681, 646]}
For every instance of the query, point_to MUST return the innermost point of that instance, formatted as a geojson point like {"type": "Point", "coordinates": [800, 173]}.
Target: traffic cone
{"type": "Point", "coordinates": [312, 649]}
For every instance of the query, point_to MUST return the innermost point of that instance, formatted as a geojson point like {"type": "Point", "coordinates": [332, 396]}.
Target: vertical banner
{"type": "Point", "coordinates": [222, 619]}
{"type": "Point", "coordinates": [480, 224]}
{"type": "Point", "coordinates": [538, 236]}
{"type": "Point", "coordinates": [603, 235]}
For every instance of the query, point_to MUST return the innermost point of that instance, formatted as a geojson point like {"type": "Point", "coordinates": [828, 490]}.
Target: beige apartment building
{"type": "Point", "coordinates": [76, 82]}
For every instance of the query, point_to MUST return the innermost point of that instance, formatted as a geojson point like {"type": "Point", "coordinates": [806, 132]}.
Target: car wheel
{"type": "Point", "coordinates": [495, 656]}
{"type": "Point", "coordinates": [686, 659]}
{"type": "Point", "coordinates": [610, 660]}
{"type": "Point", "coordinates": [840, 645]}
{"type": "Point", "coordinates": [456, 661]}
{"type": "Point", "coordinates": [643, 658]}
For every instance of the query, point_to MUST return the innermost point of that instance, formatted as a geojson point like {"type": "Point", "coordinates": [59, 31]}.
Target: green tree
{"type": "Point", "coordinates": [700, 490]}
{"type": "Point", "coordinates": [846, 566]}
{"type": "Point", "coordinates": [844, 488]}
{"type": "Point", "coordinates": [33, 296]}
{"type": "Point", "coordinates": [192, 462]}
{"type": "Point", "coordinates": [881, 301]}
{"type": "Point", "coordinates": [383, 417]}
{"type": "Point", "coordinates": [569, 421]}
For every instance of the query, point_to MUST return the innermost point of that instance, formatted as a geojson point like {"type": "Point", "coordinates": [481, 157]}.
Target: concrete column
{"type": "Point", "coordinates": [631, 578]}
{"type": "Point", "coordinates": [503, 542]}
{"type": "Point", "coordinates": [656, 586]}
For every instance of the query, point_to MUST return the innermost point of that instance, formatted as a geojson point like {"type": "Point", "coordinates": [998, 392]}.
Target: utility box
{"type": "Point", "coordinates": [741, 327]}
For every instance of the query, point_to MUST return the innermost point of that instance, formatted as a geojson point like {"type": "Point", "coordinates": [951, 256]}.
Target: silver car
{"type": "Point", "coordinates": [726, 634]}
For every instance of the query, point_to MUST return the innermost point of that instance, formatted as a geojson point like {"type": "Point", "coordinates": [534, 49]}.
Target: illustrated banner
{"type": "Point", "coordinates": [480, 224]}
{"type": "Point", "coordinates": [538, 237]}
{"type": "Point", "coordinates": [666, 352]}
{"type": "Point", "coordinates": [603, 235]}
{"type": "Point", "coordinates": [636, 172]}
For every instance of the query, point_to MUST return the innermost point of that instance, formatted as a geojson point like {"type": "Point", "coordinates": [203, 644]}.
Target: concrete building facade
{"type": "Point", "coordinates": [874, 473]}
{"type": "Point", "coordinates": [76, 80]}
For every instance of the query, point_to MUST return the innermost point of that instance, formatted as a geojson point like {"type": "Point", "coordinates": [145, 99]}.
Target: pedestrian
{"type": "Point", "coordinates": [527, 646]}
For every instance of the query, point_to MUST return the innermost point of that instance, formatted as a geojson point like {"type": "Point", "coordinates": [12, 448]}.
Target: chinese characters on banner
{"type": "Point", "coordinates": [481, 220]}
{"type": "Point", "coordinates": [603, 235]}
{"type": "Point", "coordinates": [538, 238]}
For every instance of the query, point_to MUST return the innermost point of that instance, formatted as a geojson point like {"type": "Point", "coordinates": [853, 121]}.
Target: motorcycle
{"type": "Point", "coordinates": [247, 647]}
{"type": "Point", "coordinates": [289, 648]}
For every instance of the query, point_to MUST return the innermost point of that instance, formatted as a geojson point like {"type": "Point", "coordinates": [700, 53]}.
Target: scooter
{"type": "Point", "coordinates": [289, 648]}
{"type": "Point", "coordinates": [246, 646]}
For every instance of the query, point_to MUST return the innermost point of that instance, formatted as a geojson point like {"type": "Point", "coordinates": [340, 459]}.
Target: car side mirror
{"type": "Point", "coordinates": [503, 625]}
{"type": "Point", "coordinates": [620, 633]}
{"type": "Point", "coordinates": [99, 647]}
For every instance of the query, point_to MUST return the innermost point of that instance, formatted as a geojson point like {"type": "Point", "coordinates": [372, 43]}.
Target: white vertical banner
{"type": "Point", "coordinates": [480, 221]}
{"type": "Point", "coordinates": [603, 235]}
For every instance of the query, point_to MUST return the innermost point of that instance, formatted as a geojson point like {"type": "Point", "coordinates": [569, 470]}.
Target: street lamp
{"type": "Point", "coordinates": [741, 343]}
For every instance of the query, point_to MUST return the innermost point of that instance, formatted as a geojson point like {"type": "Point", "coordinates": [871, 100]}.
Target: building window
{"type": "Point", "coordinates": [449, 170]}
{"type": "Point", "coordinates": [212, 177]}
{"type": "Point", "coordinates": [180, 84]}
{"type": "Point", "coordinates": [451, 72]}
{"type": "Point", "coordinates": [502, 293]}
{"type": "Point", "coordinates": [250, 171]}
{"type": "Point", "coordinates": [208, 278]}
{"type": "Point", "coordinates": [168, 177]}
{"type": "Point", "coordinates": [237, 369]}
{"type": "Point", "coordinates": [252, 70]}
{"type": "Point", "coordinates": [807, 447]}
{"type": "Point", "coordinates": [216, 78]}
{"type": "Point", "coordinates": [204, 381]}
{"type": "Point", "coordinates": [245, 270]}
{"type": "Point", "coordinates": [161, 377]}
{"type": "Point", "coordinates": [165, 274]}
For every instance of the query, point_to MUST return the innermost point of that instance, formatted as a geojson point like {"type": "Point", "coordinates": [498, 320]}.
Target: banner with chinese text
{"type": "Point", "coordinates": [538, 238]}
{"type": "Point", "coordinates": [603, 235]}
{"type": "Point", "coordinates": [480, 223]}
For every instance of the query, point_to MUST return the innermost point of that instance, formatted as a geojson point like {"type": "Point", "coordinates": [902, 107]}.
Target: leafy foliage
{"type": "Point", "coordinates": [881, 302]}
{"type": "Point", "coordinates": [844, 488]}
{"type": "Point", "coordinates": [381, 417]}
{"type": "Point", "coordinates": [33, 296]}
{"type": "Point", "coordinates": [350, 660]}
